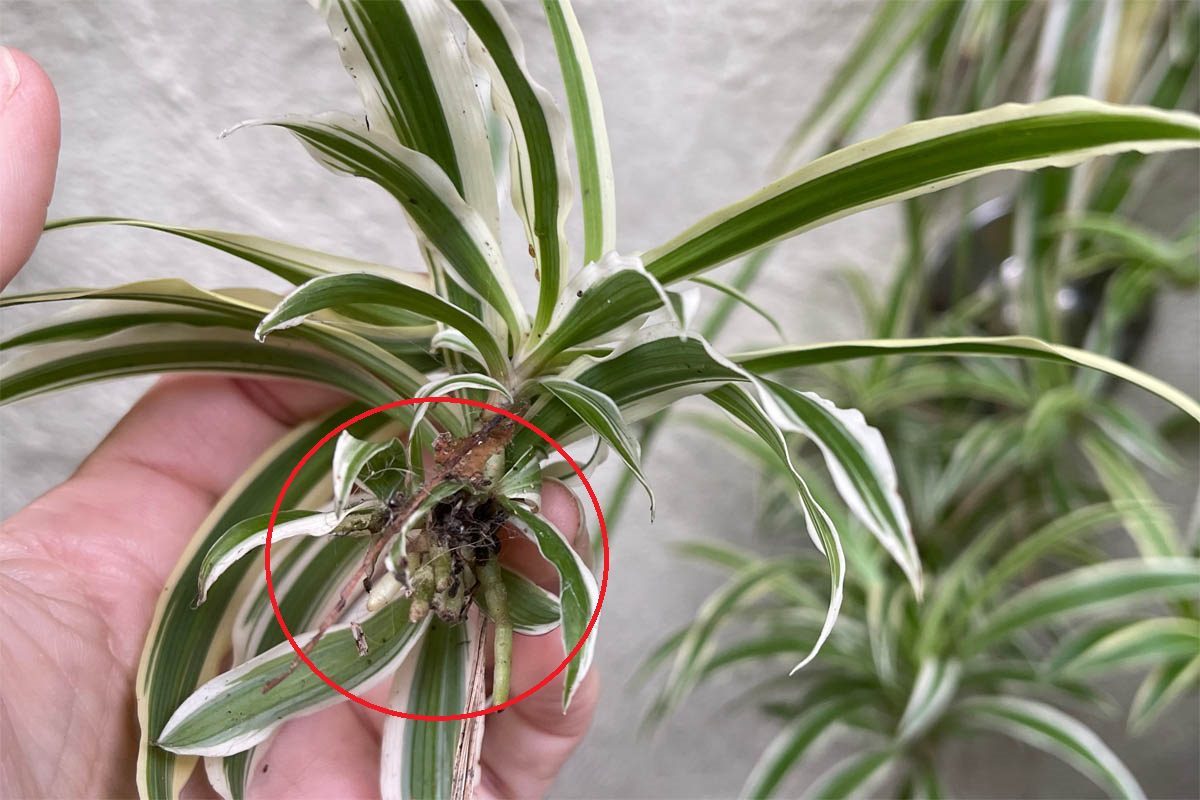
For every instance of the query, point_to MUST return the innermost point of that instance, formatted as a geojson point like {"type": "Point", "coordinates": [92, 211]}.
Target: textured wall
{"type": "Point", "coordinates": [697, 95]}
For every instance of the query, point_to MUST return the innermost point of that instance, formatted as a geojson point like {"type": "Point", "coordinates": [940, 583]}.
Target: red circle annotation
{"type": "Point", "coordinates": [435, 717]}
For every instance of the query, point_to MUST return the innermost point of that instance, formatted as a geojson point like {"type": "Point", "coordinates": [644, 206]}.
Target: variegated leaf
{"type": "Point", "coordinates": [236, 710]}
{"type": "Point", "coordinates": [598, 411]}
{"type": "Point", "coordinates": [578, 593]}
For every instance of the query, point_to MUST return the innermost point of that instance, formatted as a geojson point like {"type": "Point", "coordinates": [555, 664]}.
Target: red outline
{"type": "Point", "coordinates": [447, 717]}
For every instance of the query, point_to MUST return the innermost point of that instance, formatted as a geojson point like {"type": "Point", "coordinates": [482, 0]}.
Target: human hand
{"type": "Point", "coordinates": [82, 567]}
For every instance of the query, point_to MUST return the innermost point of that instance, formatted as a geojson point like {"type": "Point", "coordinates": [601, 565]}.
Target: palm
{"type": "Point", "coordinates": [71, 703]}
{"type": "Point", "coordinates": [83, 567]}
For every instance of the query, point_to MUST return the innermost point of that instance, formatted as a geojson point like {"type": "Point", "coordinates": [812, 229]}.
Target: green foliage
{"type": "Point", "coordinates": [1014, 473]}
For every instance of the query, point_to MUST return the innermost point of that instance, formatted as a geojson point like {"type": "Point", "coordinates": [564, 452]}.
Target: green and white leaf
{"type": "Point", "coordinates": [227, 316]}
{"type": "Point", "coordinates": [983, 453]}
{"type": "Point", "coordinates": [821, 530]}
{"type": "Point", "coordinates": [793, 356]}
{"type": "Point", "coordinates": [385, 471]}
{"type": "Point", "coordinates": [418, 757]}
{"type": "Point", "coordinates": [1073, 526]}
{"type": "Point", "coordinates": [446, 385]}
{"type": "Point", "coordinates": [857, 776]}
{"type": "Point", "coordinates": [175, 348]}
{"type": "Point", "coordinates": [232, 712]}
{"type": "Point", "coordinates": [1138, 244]}
{"type": "Point", "coordinates": [918, 158]}
{"type": "Point", "coordinates": [541, 176]}
{"type": "Point", "coordinates": [1164, 686]}
{"type": "Point", "coordinates": [332, 291]}
{"type": "Point", "coordinates": [859, 462]}
{"type": "Point", "coordinates": [250, 534]}
{"type": "Point", "coordinates": [1116, 583]}
{"type": "Point", "coordinates": [699, 639]}
{"type": "Point", "coordinates": [1147, 641]}
{"type": "Point", "coordinates": [416, 86]}
{"type": "Point", "coordinates": [789, 747]}
{"type": "Point", "coordinates": [577, 594]}
{"type": "Point", "coordinates": [292, 263]}
{"type": "Point", "coordinates": [350, 457]}
{"type": "Point", "coordinates": [1149, 523]}
{"type": "Point", "coordinates": [933, 691]}
{"type": "Point", "coordinates": [460, 381]}
{"type": "Point", "coordinates": [98, 318]}
{"type": "Point", "coordinates": [454, 341]}
{"type": "Point", "coordinates": [308, 582]}
{"type": "Point", "coordinates": [523, 483]}
{"type": "Point", "coordinates": [1046, 728]}
{"type": "Point", "coordinates": [604, 301]}
{"type": "Point", "coordinates": [646, 373]}
{"type": "Point", "coordinates": [1135, 436]}
{"type": "Point", "coordinates": [598, 411]}
{"type": "Point", "coordinates": [184, 645]}
{"type": "Point", "coordinates": [431, 200]}
{"type": "Point", "coordinates": [596, 185]}
{"type": "Point", "coordinates": [393, 354]}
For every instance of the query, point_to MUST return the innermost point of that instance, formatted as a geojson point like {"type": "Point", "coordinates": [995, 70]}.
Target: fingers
{"type": "Point", "coordinates": [525, 746]}
{"type": "Point", "coordinates": [29, 137]}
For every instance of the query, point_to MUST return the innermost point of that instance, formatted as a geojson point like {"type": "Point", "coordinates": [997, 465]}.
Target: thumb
{"type": "Point", "coordinates": [29, 138]}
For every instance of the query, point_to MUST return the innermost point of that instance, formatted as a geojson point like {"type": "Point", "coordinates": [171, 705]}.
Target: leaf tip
{"type": "Point", "coordinates": [916, 579]}
{"type": "Point", "coordinates": [235, 128]}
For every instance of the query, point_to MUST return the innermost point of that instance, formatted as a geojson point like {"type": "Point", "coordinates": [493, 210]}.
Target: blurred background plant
{"type": "Point", "coordinates": [1015, 474]}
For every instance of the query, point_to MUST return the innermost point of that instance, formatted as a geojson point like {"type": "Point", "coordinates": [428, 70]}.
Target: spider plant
{"type": "Point", "coordinates": [1018, 629]}
{"type": "Point", "coordinates": [1024, 616]}
{"type": "Point", "coordinates": [605, 343]}
{"type": "Point", "coordinates": [1012, 495]}
{"type": "Point", "coordinates": [1009, 474]}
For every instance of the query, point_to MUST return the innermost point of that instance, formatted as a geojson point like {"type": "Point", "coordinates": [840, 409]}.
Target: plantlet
{"type": "Point", "coordinates": [403, 543]}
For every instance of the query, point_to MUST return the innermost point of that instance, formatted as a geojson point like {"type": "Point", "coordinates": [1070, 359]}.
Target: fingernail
{"type": "Point", "coordinates": [10, 76]}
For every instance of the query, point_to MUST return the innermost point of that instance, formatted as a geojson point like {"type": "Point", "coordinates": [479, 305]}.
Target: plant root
{"type": "Point", "coordinates": [450, 557]}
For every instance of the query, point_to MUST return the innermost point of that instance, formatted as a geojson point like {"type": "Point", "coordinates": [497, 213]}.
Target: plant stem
{"type": "Point", "coordinates": [496, 597]}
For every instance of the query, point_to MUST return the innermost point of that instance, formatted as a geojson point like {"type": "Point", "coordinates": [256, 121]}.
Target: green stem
{"type": "Point", "coordinates": [496, 598]}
